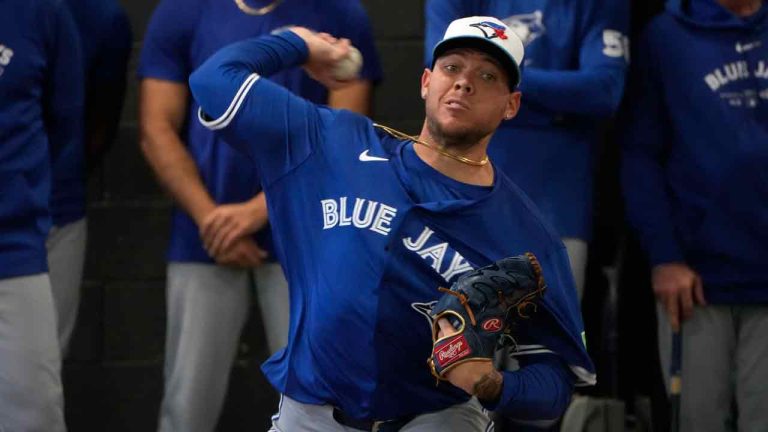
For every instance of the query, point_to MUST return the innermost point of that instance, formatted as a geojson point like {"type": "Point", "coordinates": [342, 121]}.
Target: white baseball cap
{"type": "Point", "coordinates": [487, 34]}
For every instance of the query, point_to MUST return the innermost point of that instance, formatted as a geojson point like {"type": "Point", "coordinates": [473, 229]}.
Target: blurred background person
{"type": "Point", "coordinates": [573, 79]}
{"type": "Point", "coordinates": [41, 102]}
{"type": "Point", "coordinates": [694, 178]}
{"type": "Point", "coordinates": [105, 37]}
{"type": "Point", "coordinates": [220, 246]}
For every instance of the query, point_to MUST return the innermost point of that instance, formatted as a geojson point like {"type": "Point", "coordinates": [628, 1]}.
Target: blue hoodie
{"type": "Point", "coordinates": [695, 156]}
{"type": "Point", "coordinates": [105, 37]}
{"type": "Point", "coordinates": [41, 102]}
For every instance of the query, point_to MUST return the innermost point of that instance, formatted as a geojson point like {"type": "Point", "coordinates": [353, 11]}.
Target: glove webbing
{"type": "Point", "coordinates": [521, 304]}
{"type": "Point", "coordinates": [527, 300]}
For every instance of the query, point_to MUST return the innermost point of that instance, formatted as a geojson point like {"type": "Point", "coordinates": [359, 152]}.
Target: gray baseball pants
{"type": "Point", "coordinates": [31, 398]}
{"type": "Point", "coordinates": [207, 308]}
{"type": "Point", "coordinates": [724, 361]}
{"type": "Point", "coordinates": [66, 256]}
{"type": "Point", "coordinates": [293, 416]}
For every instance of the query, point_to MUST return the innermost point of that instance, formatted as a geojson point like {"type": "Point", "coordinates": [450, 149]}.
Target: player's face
{"type": "Point", "coordinates": [467, 95]}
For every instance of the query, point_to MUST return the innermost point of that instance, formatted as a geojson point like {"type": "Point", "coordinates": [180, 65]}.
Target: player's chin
{"type": "Point", "coordinates": [460, 128]}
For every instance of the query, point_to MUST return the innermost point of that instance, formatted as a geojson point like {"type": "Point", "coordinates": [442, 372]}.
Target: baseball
{"type": "Point", "coordinates": [348, 67]}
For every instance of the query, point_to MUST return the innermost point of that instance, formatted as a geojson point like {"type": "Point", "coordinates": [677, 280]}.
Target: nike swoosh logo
{"type": "Point", "coordinates": [747, 47]}
{"type": "Point", "coordinates": [364, 157]}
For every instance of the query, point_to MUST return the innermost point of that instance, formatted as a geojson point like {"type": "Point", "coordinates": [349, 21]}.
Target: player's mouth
{"type": "Point", "coordinates": [458, 104]}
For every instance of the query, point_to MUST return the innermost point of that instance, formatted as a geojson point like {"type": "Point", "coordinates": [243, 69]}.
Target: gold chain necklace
{"type": "Point", "coordinates": [260, 11]}
{"type": "Point", "coordinates": [403, 136]}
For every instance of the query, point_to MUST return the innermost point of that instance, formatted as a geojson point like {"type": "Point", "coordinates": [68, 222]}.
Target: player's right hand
{"type": "Point", "coordinates": [677, 287]}
{"type": "Point", "coordinates": [243, 253]}
{"type": "Point", "coordinates": [325, 51]}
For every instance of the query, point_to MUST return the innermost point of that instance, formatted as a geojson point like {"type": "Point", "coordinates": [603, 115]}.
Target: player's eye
{"type": "Point", "coordinates": [450, 67]}
{"type": "Point", "coordinates": [488, 77]}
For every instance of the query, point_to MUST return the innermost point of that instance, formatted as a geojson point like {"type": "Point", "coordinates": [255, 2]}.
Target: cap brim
{"type": "Point", "coordinates": [481, 44]}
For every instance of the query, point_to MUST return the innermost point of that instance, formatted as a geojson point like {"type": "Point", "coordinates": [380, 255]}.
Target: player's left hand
{"type": "Point", "coordinates": [228, 222]}
{"type": "Point", "coordinates": [468, 376]}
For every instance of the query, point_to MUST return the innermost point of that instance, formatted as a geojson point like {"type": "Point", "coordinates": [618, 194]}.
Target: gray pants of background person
{"type": "Point", "coordinates": [724, 360]}
{"type": "Point", "coordinates": [66, 256]}
{"type": "Point", "coordinates": [31, 398]}
{"type": "Point", "coordinates": [293, 416]}
{"type": "Point", "coordinates": [207, 308]}
{"type": "Point", "coordinates": [578, 251]}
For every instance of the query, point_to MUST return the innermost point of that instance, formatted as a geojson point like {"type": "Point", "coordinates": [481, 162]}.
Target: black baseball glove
{"type": "Point", "coordinates": [482, 305]}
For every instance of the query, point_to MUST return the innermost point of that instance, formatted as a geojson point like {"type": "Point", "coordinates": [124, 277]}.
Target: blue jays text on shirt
{"type": "Point", "coordinates": [377, 217]}
{"type": "Point", "coordinates": [739, 71]}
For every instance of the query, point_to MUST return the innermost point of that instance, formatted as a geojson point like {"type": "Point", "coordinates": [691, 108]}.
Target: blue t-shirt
{"type": "Point", "coordinates": [183, 33]}
{"type": "Point", "coordinates": [428, 184]}
{"type": "Point", "coordinates": [365, 245]}
{"type": "Point", "coordinates": [41, 102]}
{"type": "Point", "coordinates": [573, 76]}
{"type": "Point", "coordinates": [105, 38]}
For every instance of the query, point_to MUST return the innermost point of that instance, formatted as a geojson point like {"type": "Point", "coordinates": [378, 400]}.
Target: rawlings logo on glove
{"type": "Point", "coordinates": [453, 351]}
{"type": "Point", "coordinates": [481, 306]}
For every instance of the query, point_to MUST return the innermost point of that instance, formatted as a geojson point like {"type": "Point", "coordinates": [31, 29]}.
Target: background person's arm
{"type": "Point", "coordinates": [355, 97]}
{"type": "Point", "coordinates": [595, 87]}
{"type": "Point", "coordinates": [63, 95]}
{"type": "Point", "coordinates": [162, 108]}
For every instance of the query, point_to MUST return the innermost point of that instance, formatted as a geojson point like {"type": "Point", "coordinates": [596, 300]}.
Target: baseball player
{"type": "Point", "coordinates": [41, 102]}
{"type": "Point", "coordinates": [105, 35]}
{"type": "Point", "coordinates": [575, 65]}
{"type": "Point", "coordinates": [214, 257]}
{"type": "Point", "coordinates": [369, 222]}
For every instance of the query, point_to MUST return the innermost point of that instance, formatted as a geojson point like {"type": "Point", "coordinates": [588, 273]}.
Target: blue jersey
{"type": "Point", "coordinates": [365, 246]}
{"type": "Point", "coordinates": [696, 147]}
{"type": "Point", "coordinates": [41, 101]}
{"type": "Point", "coordinates": [573, 77]}
{"type": "Point", "coordinates": [183, 33]}
{"type": "Point", "coordinates": [105, 38]}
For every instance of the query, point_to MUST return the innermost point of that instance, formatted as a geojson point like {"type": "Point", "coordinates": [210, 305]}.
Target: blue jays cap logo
{"type": "Point", "coordinates": [491, 30]}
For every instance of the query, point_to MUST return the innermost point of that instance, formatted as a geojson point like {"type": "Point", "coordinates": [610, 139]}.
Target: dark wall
{"type": "Point", "coordinates": [113, 374]}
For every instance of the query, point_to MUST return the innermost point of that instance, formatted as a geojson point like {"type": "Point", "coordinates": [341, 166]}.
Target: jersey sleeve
{"type": "Point", "coordinates": [356, 26]}
{"type": "Point", "coordinates": [595, 88]}
{"type": "Point", "coordinates": [64, 90]}
{"type": "Point", "coordinates": [645, 144]}
{"type": "Point", "coordinates": [275, 128]}
{"type": "Point", "coordinates": [165, 53]}
{"type": "Point", "coordinates": [537, 394]}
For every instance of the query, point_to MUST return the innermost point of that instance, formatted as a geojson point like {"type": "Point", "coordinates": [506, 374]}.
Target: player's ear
{"type": "Point", "coordinates": [513, 105]}
{"type": "Point", "coordinates": [425, 77]}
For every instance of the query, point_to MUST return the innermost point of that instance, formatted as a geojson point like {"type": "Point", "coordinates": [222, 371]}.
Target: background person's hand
{"type": "Point", "coordinates": [243, 253]}
{"type": "Point", "coordinates": [226, 223]}
{"type": "Point", "coordinates": [677, 287]}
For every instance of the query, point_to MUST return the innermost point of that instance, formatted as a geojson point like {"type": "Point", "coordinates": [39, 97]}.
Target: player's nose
{"type": "Point", "coordinates": [463, 84]}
